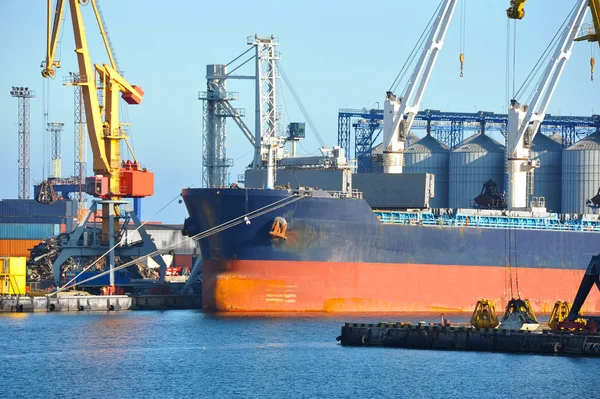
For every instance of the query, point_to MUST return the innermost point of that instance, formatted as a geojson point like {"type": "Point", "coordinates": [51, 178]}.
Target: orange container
{"type": "Point", "coordinates": [17, 247]}
{"type": "Point", "coordinates": [135, 181]}
{"type": "Point", "coordinates": [135, 97]}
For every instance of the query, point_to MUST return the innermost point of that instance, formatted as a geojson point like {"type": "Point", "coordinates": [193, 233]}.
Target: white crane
{"type": "Point", "coordinates": [399, 112]}
{"type": "Point", "coordinates": [524, 120]}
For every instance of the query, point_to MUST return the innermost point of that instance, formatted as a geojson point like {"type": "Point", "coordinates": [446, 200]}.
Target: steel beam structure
{"type": "Point", "coordinates": [24, 95]}
{"type": "Point", "coordinates": [80, 139]}
{"type": "Point", "coordinates": [215, 163]}
{"type": "Point", "coordinates": [365, 136]}
{"type": "Point", "coordinates": [449, 127]}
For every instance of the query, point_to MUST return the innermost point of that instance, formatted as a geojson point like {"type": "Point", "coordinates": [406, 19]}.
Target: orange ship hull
{"type": "Point", "coordinates": [298, 286]}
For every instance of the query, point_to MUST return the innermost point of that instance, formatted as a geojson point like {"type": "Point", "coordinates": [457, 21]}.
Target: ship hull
{"type": "Point", "coordinates": [293, 286]}
{"type": "Point", "coordinates": [338, 257]}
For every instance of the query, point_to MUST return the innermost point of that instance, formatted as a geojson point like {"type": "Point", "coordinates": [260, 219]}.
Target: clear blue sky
{"type": "Point", "coordinates": [337, 54]}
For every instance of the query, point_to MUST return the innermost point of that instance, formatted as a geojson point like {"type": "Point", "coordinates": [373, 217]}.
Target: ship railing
{"type": "Point", "coordinates": [354, 194]}
{"type": "Point", "coordinates": [429, 219]}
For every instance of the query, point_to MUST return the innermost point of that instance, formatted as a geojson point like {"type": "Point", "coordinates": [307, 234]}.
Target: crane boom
{"type": "Point", "coordinates": [103, 123]}
{"type": "Point", "coordinates": [524, 120]}
{"type": "Point", "coordinates": [52, 38]}
{"type": "Point", "coordinates": [399, 113]}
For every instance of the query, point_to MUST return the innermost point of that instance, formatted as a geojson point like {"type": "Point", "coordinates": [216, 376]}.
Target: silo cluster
{"type": "Point", "coordinates": [567, 178]}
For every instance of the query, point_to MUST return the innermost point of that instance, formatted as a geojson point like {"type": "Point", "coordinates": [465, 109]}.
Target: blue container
{"type": "Point", "coordinates": [34, 220]}
{"type": "Point", "coordinates": [32, 208]}
{"type": "Point", "coordinates": [122, 277]}
{"type": "Point", "coordinates": [28, 231]}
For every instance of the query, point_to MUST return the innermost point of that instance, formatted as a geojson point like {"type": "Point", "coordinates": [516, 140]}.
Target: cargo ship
{"type": "Point", "coordinates": [338, 254]}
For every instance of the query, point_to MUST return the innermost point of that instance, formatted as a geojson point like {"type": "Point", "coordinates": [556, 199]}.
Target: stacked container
{"type": "Point", "coordinates": [477, 160]}
{"type": "Point", "coordinates": [24, 223]}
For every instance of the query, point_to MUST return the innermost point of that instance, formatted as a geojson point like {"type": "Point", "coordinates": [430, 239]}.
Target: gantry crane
{"type": "Point", "coordinates": [399, 112]}
{"type": "Point", "coordinates": [524, 120]}
{"type": "Point", "coordinates": [114, 178]}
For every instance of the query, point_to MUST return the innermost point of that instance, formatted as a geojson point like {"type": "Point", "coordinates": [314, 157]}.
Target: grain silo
{"type": "Point", "coordinates": [580, 174]}
{"type": "Point", "coordinates": [377, 153]}
{"type": "Point", "coordinates": [477, 160]}
{"type": "Point", "coordinates": [556, 137]}
{"type": "Point", "coordinates": [547, 178]}
{"type": "Point", "coordinates": [430, 156]}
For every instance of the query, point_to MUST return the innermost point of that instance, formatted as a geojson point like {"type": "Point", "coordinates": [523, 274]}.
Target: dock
{"type": "Point", "coordinates": [469, 338]}
{"type": "Point", "coordinates": [78, 303]}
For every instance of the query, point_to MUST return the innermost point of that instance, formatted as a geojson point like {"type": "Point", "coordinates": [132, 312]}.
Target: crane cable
{"type": "Point", "coordinates": [309, 120]}
{"type": "Point", "coordinates": [592, 60]}
{"type": "Point", "coordinates": [463, 28]}
{"type": "Point", "coordinates": [413, 53]}
{"type": "Point", "coordinates": [542, 59]}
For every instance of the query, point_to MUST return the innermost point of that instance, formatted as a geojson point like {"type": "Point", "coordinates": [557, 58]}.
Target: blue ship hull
{"type": "Point", "coordinates": [340, 240]}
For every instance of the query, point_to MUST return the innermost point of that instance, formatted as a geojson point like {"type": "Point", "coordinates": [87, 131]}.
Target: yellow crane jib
{"type": "Point", "coordinates": [113, 177]}
{"type": "Point", "coordinates": [516, 10]}
{"type": "Point", "coordinates": [484, 315]}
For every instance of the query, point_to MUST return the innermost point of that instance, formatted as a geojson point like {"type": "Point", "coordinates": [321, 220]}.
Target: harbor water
{"type": "Point", "coordinates": [176, 354]}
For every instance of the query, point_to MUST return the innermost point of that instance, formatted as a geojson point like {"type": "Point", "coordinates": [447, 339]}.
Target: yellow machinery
{"type": "Point", "coordinates": [516, 10]}
{"type": "Point", "coordinates": [559, 313]}
{"type": "Point", "coordinates": [114, 178]}
{"type": "Point", "coordinates": [13, 276]}
{"type": "Point", "coordinates": [484, 315]}
{"type": "Point", "coordinates": [589, 33]}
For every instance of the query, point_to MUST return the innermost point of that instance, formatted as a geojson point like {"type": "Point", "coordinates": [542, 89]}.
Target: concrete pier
{"type": "Point", "coordinates": [468, 338]}
{"type": "Point", "coordinates": [99, 303]}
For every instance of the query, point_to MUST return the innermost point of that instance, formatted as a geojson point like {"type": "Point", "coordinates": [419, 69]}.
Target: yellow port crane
{"type": "Point", "coordinates": [114, 178]}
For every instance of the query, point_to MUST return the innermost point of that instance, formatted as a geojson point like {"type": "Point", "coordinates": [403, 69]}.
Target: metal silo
{"type": "Point", "coordinates": [556, 137]}
{"type": "Point", "coordinates": [430, 156]}
{"type": "Point", "coordinates": [477, 160]}
{"type": "Point", "coordinates": [377, 153]}
{"type": "Point", "coordinates": [547, 178]}
{"type": "Point", "coordinates": [580, 174]}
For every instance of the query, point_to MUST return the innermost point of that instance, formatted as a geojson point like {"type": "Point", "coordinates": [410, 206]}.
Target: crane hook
{"type": "Point", "coordinates": [462, 64]}
{"type": "Point", "coordinates": [592, 63]}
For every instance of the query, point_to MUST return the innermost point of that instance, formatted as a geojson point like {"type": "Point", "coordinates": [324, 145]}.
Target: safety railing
{"type": "Point", "coordinates": [496, 222]}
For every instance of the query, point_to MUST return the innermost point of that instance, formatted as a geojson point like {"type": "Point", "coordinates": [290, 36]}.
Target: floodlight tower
{"type": "Point", "coordinates": [24, 95]}
{"type": "Point", "coordinates": [55, 129]}
{"type": "Point", "coordinates": [80, 138]}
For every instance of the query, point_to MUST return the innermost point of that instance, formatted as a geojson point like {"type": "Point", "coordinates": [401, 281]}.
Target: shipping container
{"type": "Point", "coordinates": [26, 231]}
{"type": "Point", "coordinates": [32, 208]}
{"type": "Point", "coordinates": [122, 277]}
{"type": "Point", "coordinates": [15, 265]}
{"type": "Point", "coordinates": [17, 247]}
{"type": "Point", "coordinates": [13, 275]}
{"type": "Point", "coordinates": [165, 236]}
{"type": "Point", "coordinates": [34, 219]}
{"type": "Point", "coordinates": [13, 285]}
{"type": "Point", "coordinates": [184, 261]}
